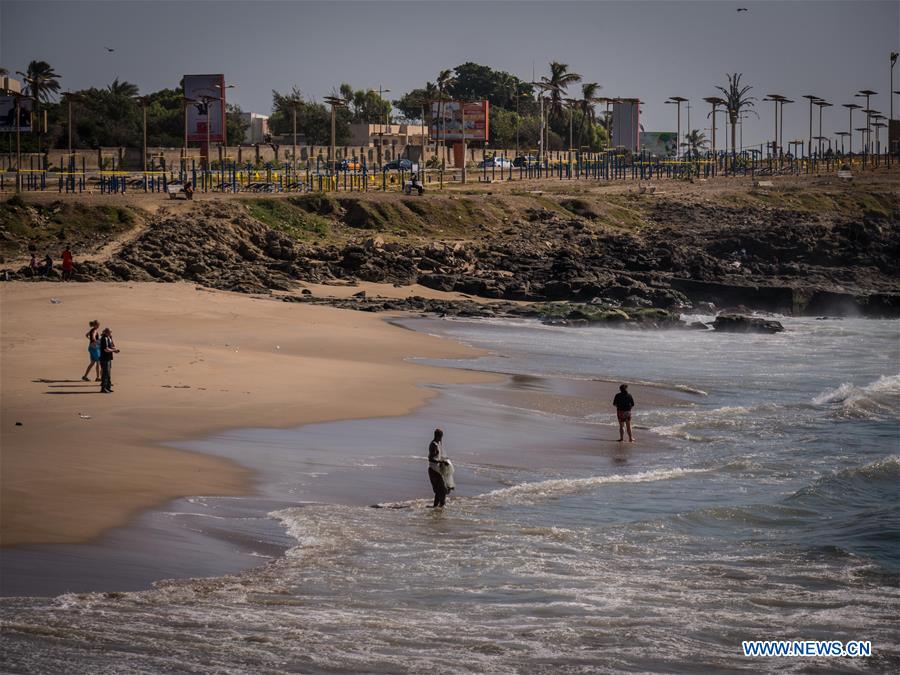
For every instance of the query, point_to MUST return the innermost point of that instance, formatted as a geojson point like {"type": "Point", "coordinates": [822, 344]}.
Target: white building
{"type": "Point", "coordinates": [257, 127]}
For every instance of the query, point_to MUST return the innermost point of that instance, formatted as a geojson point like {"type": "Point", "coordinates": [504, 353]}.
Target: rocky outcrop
{"type": "Point", "coordinates": [736, 323]}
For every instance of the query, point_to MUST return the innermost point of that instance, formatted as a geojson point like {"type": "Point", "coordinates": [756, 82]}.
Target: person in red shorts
{"type": "Point", "coordinates": [624, 403]}
{"type": "Point", "coordinates": [67, 265]}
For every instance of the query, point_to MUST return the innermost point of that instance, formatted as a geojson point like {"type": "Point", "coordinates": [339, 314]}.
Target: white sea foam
{"type": "Point", "coordinates": [876, 399]}
{"type": "Point", "coordinates": [562, 486]}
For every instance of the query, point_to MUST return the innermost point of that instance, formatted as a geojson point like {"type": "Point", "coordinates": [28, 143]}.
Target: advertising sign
{"type": "Point", "coordinates": [660, 143]}
{"type": "Point", "coordinates": [208, 107]}
{"type": "Point", "coordinates": [626, 124]}
{"type": "Point", "coordinates": [8, 114]}
{"type": "Point", "coordinates": [446, 121]}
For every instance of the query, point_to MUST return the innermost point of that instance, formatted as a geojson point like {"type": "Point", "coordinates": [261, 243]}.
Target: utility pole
{"type": "Point", "coordinates": [715, 102]}
{"type": "Point", "coordinates": [222, 89]}
{"type": "Point", "coordinates": [462, 114]}
{"type": "Point", "coordinates": [677, 101]}
{"type": "Point", "coordinates": [335, 102]}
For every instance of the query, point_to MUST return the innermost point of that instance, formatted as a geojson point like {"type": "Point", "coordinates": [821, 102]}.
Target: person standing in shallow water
{"type": "Point", "coordinates": [624, 403]}
{"type": "Point", "coordinates": [436, 464]}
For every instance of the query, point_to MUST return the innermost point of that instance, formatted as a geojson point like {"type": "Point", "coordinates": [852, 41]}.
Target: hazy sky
{"type": "Point", "coordinates": [650, 50]}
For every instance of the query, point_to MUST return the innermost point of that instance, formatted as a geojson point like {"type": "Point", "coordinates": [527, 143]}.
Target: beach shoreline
{"type": "Point", "coordinates": [194, 362]}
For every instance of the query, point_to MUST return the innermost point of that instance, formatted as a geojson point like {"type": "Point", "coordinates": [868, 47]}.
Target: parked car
{"type": "Point", "coordinates": [525, 161]}
{"type": "Point", "coordinates": [495, 163]}
{"type": "Point", "coordinates": [348, 165]}
{"type": "Point", "coordinates": [399, 165]}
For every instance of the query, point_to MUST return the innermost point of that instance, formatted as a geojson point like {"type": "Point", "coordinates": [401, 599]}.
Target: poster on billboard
{"type": "Point", "coordinates": [626, 124]}
{"type": "Point", "coordinates": [207, 111]}
{"type": "Point", "coordinates": [446, 121]}
{"type": "Point", "coordinates": [660, 143]}
{"type": "Point", "coordinates": [8, 114]}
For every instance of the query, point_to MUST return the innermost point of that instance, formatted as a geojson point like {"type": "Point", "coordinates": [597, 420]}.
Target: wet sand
{"type": "Point", "coordinates": [193, 362]}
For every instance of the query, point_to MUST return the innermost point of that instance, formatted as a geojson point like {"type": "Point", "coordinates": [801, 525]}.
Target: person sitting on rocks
{"type": "Point", "coordinates": [48, 265]}
{"type": "Point", "coordinates": [189, 190]}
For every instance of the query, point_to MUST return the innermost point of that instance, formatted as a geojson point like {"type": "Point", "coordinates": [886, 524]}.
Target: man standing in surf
{"type": "Point", "coordinates": [624, 403]}
{"type": "Point", "coordinates": [440, 471]}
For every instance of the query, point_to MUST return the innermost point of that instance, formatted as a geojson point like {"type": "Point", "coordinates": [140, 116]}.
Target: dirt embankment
{"type": "Point", "coordinates": [815, 248]}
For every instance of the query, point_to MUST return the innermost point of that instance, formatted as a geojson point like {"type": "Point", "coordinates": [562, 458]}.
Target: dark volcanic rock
{"type": "Point", "coordinates": [736, 323]}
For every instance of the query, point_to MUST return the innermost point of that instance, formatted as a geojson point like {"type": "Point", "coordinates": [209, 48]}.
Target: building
{"type": "Point", "coordinates": [257, 127]}
{"type": "Point", "coordinates": [375, 135]}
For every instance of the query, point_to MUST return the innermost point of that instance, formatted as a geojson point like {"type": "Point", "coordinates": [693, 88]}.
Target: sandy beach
{"type": "Point", "coordinates": [193, 362]}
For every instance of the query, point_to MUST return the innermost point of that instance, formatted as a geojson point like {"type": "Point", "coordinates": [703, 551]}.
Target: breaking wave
{"type": "Point", "coordinates": [878, 399]}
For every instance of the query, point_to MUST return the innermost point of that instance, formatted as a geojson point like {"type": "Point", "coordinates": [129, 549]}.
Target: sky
{"type": "Point", "coordinates": [646, 49]}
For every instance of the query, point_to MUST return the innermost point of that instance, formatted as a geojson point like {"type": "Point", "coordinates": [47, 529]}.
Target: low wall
{"type": "Point", "coordinates": [129, 159]}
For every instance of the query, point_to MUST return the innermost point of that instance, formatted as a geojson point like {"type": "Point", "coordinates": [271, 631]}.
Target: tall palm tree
{"type": "Point", "coordinates": [444, 81]}
{"type": "Point", "coordinates": [42, 81]}
{"type": "Point", "coordinates": [736, 99]}
{"type": "Point", "coordinates": [695, 141]}
{"type": "Point", "coordinates": [557, 84]}
{"type": "Point", "coordinates": [586, 105]}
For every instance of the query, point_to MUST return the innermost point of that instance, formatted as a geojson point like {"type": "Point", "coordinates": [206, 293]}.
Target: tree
{"type": "Point", "coordinates": [313, 119]}
{"type": "Point", "coordinates": [736, 99]}
{"type": "Point", "coordinates": [42, 81]}
{"type": "Point", "coordinates": [695, 141]}
{"type": "Point", "coordinates": [557, 84]}
{"type": "Point", "coordinates": [124, 88]}
{"type": "Point", "coordinates": [588, 100]}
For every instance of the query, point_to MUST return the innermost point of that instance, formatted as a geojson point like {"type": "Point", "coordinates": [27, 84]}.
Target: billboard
{"type": "Point", "coordinates": [660, 143]}
{"type": "Point", "coordinates": [8, 114]}
{"type": "Point", "coordinates": [208, 107]}
{"type": "Point", "coordinates": [626, 124]}
{"type": "Point", "coordinates": [446, 121]}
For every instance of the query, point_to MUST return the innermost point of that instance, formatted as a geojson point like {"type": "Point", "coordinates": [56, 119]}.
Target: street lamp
{"type": "Point", "coordinates": [381, 93]}
{"type": "Point", "coordinates": [18, 96]}
{"type": "Point", "coordinates": [812, 99]}
{"type": "Point", "coordinates": [842, 134]}
{"type": "Point", "coordinates": [851, 107]}
{"type": "Point", "coordinates": [224, 121]}
{"type": "Point", "coordinates": [185, 103]}
{"type": "Point", "coordinates": [867, 94]}
{"type": "Point", "coordinates": [677, 101]}
{"type": "Point", "coordinates": [822, 104]}
{"type": "Point", "coordinates": [71, 97]}
{"type": "Point", "coordinates": [143, 100]}
{"type": "Point", "coordinates": [335, 102]}
{"type": "Point", "coordinates": [294, 104]}
{"type": "Point", "coordinates": [776, 99]}
{"type": "Point", "coordinates": [894, 56]}
{"type": "Point", "coordinates": [715, 102]}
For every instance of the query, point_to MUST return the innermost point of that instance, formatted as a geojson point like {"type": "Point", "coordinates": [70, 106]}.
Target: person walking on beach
{"type": "Point", "coordinates": [107, 349]}
{"type": "Point", "coordinates": [67, 264]}
{"type": "Point", "coordinates": [440, 470]}
{"type": "Point", "coordinates": [93, 336]}
{"type": "Point", "coordinates": [624, 403]}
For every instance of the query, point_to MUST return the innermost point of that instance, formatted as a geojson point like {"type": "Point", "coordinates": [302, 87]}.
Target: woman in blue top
{"type": "Point", "coordinates": [93, 336]}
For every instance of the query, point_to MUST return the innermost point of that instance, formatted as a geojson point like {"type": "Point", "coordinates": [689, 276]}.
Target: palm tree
{"type": "Point", "coordinates": [124, 88]}
{"type": "Point", "coordinates": [695, 141]}
{"type": "Point", "coordinates": [559, 80]}
{"type": "Point", "coordinates": [736, 99]}
{"type": "Point", "coordinates": [588, 100]}
{"type": "Point", "coordinates": [444, 82]}
{"type": "Point", "coordinates": [41, 81]}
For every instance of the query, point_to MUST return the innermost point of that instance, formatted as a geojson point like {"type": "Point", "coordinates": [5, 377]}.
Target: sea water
{"type": "Point", "coordinates": [767, 506]}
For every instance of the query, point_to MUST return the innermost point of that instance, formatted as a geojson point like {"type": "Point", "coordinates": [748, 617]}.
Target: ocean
{"type": "Point", "coordinates": [759, 501]}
